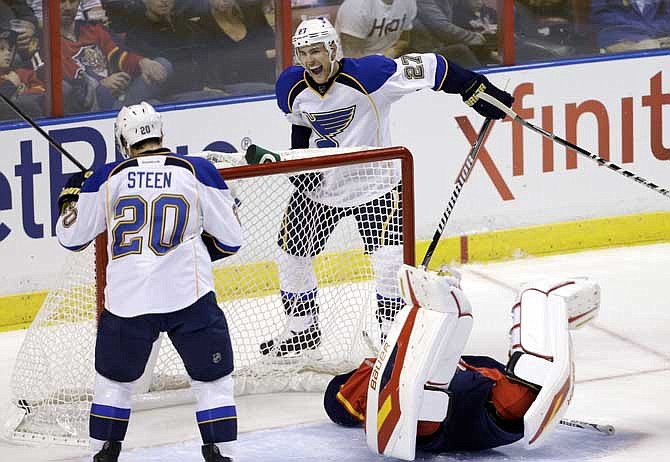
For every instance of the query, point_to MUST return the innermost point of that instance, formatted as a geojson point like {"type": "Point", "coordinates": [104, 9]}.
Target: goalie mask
{"type": "Point", "coordinates": [315, 31]}
{"type": "Point", "coordinates": [135, 124]}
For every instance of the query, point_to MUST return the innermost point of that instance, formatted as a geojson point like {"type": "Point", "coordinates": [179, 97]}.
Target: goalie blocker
{"type": "Point", "coordinates": [420, 393]}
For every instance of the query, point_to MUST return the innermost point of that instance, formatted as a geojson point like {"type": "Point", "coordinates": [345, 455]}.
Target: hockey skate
{"type": "Point", "coordinates": [211, 454]}
{"type": "Point", "coordinates": [109, 453]}
{"type": "Point", "coordinates": [294, 343]}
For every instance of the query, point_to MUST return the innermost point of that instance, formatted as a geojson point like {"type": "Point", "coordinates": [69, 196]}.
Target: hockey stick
{"type": "Point", "coordinates": [600, 428]}
{"type": "Point", "coordinates": [51, 141]}
{"type": "Point", "coordinates": [490, 99]}
{"type": "Point", "coordinates": [460, 181]}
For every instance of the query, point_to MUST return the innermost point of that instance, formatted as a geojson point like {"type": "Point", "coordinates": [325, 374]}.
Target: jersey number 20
{"type": "Point", "coordinates": [167, 222]}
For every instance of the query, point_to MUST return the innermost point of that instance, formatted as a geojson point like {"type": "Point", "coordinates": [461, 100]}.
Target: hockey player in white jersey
{"type": "Point", "coordinates": [333, 101]}
{"type": "Point", "coordinates": [166, 217]}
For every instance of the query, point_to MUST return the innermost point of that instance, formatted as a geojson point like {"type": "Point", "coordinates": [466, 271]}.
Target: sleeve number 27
{"type": "Point", "coordinates": [413, 66]}
{"type": "Point", "coordinates": [168, 219]}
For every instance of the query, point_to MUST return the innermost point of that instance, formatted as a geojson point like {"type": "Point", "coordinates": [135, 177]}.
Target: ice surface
{"type": "Point", "coordinates": [622, 371]}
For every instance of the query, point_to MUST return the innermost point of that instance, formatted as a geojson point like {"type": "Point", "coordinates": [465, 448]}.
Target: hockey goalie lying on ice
{"type": "Point", "coordinates": [421, 393]}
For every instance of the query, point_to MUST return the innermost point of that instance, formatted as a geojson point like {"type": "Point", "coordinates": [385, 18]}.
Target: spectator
{"type": "Point", "coordinates": [434, 30]}
{"type": "Point", "coordinates": [375, 27]}
{"type": "Point", "coordinates": [97, 73]}
{"type": "Point", "coordinates": [629, 25]}
{"type": "Point", "coordinates": [121, 13]}
{"type": "Point", "coordinates": [18, 16]}
{"type": "Point", "coordinates": [21, 86]}
{"type": "Point", "coordinates": [239, 42]}
{"type": "Point", "coordinates": [475, 16]}
{"type": "Point", "coordinates": [89, 10]}
{"type": "Point", "coordinates": [162, 32]}
{"type": "Point", "coordinates": [544, 29]}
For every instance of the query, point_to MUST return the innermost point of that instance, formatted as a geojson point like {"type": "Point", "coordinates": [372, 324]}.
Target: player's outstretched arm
{"type": "Point", "coordinates": [470, 85]}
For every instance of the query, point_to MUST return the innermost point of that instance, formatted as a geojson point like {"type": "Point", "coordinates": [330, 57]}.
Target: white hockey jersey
{"type": "Point", "coordinates": [354, 111]}
{"type": "Point", "coordinates": [154, 209]}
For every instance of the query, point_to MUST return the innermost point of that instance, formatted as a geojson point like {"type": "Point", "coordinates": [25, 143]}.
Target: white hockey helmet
{"type": "Point", "coordinates": [318, 30]}
{"type": "Point", "coordinates": [136, 123]}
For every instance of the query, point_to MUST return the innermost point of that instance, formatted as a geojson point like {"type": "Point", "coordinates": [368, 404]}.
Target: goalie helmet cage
{"type": "Point", "coordinates": [53, 378]}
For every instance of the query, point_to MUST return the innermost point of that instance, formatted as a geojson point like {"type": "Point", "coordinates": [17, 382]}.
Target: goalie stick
{"type": "Point", "coordinates": [460, 181]}
{"type": "Point", "coordinates": [51, 141]}
{"type": "Point", "coordinates": [600, 428]}
{"type": "Point", "coordinates": [612, 166]}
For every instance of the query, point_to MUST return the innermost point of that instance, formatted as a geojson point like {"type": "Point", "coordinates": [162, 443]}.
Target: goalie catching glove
{"type": "Point", "coordinates": [478, 85]}
{"type": "Point", "coordinates": [70, 192]}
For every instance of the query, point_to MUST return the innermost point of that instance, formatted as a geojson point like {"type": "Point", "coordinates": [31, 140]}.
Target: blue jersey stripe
{"type": "Point", "coordinates": [218, 413]}
{"type": "Point", "coordinates": [440, 72]}
{"type": "Point", "coordinates": [99, 177]}
{"type": "Point", "coordinates": [205, 172]}
{"type": "Point", "coordinates": [221, 247]}
{"type": "Point", "coordinates": [371, 71]}
{"type": "Point", "coordinates": [286, 90]}
{"type": "Point", "coordinates": [110, 412]}
{"type": "Point", "coordinates": [77, 248]}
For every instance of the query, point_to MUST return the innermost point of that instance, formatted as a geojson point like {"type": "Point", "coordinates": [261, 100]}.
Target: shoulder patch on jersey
{"type": "Point", "coordinates": [289, 84]}
{"type": "Point", "coordinates": [370, 71]}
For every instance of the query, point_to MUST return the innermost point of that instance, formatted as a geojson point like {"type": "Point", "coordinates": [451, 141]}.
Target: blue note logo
{"type": "Point", "coordinates": [329, 124]}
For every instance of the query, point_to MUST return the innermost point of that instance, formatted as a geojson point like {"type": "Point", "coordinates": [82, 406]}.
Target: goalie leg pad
{"type": "Point", "coordinates": [425, 342]}
{"type": "Point", "coordinates": [541, 352]}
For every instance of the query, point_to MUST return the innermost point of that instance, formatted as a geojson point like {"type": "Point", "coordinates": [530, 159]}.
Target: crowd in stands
{"type": "Point", "coordinates": [120, 52]}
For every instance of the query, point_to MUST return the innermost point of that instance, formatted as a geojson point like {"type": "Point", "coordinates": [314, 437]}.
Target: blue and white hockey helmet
{"type": "Point", "coordinates": [314, 31]}
{"type": "Point", "coordinates": [136, 123]}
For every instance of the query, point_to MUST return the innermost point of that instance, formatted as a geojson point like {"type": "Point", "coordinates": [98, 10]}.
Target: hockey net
{"type": "Point", "coordinates": [54, 372]}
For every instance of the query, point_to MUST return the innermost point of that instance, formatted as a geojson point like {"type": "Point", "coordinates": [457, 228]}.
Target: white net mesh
{"type": "Point", "coordinates": [54, 374]}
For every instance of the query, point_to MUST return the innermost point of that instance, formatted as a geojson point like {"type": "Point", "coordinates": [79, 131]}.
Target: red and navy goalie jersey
{"type": "Point", "coordinates": [486, 407]}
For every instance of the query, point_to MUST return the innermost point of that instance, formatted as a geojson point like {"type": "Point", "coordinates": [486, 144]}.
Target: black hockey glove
{"type": "Point", "coordinates": [481, 84]}
{"type": "Point", "coordinates": [72, 188]}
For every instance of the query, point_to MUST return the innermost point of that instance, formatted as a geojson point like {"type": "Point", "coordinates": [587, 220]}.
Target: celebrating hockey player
{"type": "Point", "coordinates": [166, 217]}
{"type": "Point", "coordinates": [421, 393]}
{"type": "Point", "coordinates": [333, 101]}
